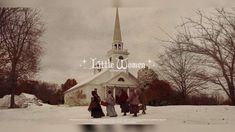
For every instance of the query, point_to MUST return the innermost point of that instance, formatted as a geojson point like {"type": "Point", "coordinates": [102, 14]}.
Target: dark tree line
{"type": "Point", "coordinates": [50, 93]}
{"type": "Point", "coordinates": [160, 92]}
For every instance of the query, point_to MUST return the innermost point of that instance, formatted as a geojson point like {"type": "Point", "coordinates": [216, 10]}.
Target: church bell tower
{"type": "Point", "coordinates": [118, 55]}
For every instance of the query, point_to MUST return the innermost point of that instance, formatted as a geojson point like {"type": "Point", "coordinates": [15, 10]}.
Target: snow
{"type": "Point", "coordinates": [29, 96]}
{"type": "Point", "coordinates": [160, 119]}
{"type": "Point", "coordinates": [23, 100]}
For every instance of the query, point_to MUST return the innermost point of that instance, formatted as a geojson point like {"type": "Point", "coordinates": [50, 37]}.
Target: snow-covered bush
{"type": "Point", "coordinates": [22, 101]}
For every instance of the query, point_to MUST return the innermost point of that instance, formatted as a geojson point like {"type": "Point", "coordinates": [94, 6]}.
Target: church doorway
{"type": "Point", "coordinates": [116, 91]}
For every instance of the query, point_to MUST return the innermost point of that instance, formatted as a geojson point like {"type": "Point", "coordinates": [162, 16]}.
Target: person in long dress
{"type": "Point", "coordinates": [122, 100]}
{"type": "Point", "coordinates": [143, 100]}
{"type": "Point", "coordinates": [94, 107]}
{"type": "Point", "coordinates": [134, 103]}
{"type": "Point", "coordinates": [111, 103]}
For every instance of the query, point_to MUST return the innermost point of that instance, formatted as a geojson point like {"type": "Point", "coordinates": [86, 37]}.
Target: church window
{"type": "Point", "coordinates": [115, 46]}
{"type": "Point", "coordinates": [120, 57]}
{"type": "Point", "coordinates": [110, 59]}
{"type": "Point", "coordinates": [121, 79]}
{"type": "Point", "coordinates": [119, 46]}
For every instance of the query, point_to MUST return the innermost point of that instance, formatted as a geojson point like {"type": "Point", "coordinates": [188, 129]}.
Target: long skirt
{"type": "Point", "coordinates": [124, 107]}
{"type": "Point", "coordinates": [134, 109]}
{"type": "Point", "coordinates": [97, 112]}
{"type": "Point", "coordinates": [142, 107]}
{"type": "Point", "coordinates": [111, 111]}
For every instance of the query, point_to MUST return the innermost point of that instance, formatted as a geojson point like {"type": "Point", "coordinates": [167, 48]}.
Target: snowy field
{"type": "Point", "coordinates": [159, 119]}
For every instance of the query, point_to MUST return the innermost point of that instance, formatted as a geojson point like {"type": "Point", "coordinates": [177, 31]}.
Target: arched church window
{"type": "Point", "coordinates": [119, 46]}
{"type": "Point", "coordinates": [120, 57]}
{"type": "Point", "coordinates": [115, 46]}
{"type": "Point", "coordinates": [121, 79]}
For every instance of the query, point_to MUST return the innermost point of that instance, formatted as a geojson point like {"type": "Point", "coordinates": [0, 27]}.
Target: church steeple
{"type": "Point", "coordinates": [117, 37]}
{"type": "Point", "coordinates": [117, 53]}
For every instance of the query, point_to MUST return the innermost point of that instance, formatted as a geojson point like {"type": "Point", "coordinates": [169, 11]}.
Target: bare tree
{"type": "Point", "coordinates": [181, 68]}
{"type": "Point", "coordinates": [3, 62]}
{"type": "Point", "coordinates": [212, 37]}
{"type": "Point", "coordinates": [20, 30]}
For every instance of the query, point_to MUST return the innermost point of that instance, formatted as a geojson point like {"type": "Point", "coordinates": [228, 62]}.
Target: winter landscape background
{"type": "Point", "coordinates": [188, 46]}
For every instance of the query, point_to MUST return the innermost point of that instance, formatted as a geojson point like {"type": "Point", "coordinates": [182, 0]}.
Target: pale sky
{"type": "Point", "coordinates": [83, 29]}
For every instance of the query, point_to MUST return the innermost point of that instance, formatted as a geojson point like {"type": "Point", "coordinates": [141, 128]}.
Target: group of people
{"type": "Point", "coordinates": [132, 104]}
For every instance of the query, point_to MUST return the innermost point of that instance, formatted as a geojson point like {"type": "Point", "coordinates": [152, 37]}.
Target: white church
{"type": "Point", "coordinates": [105, 79]}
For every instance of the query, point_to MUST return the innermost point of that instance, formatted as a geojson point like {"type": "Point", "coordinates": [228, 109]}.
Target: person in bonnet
{"type": "Point", "coordinates": [94, 107]}
{"type": "Point", "coordinates": [134, 103]}
{"type": "Point", "coordinates": [123, 102]}
{"type": "Point", "coordinates": [110, 107]}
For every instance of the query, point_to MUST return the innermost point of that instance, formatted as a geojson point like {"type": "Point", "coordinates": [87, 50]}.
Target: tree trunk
{"type": "Point", "coordinates": [232, 97]}
{"type": "Point", "coordinates": [13, 85]}
{"type": "Point", "coordinates": [184, 97]}
{"type": "Point", "coordinates": [233, 102]}
{"type": "Point", "coordinates": [12, 105]}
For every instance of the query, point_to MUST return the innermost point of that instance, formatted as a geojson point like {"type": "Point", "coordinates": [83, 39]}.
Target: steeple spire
{"type": "Point", "coordinates": [117, 52]}
{"type": "Point", "coordinates": [117, 37]}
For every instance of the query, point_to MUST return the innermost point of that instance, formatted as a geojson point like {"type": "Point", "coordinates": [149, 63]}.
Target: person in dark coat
{"type": "Point", "coordinates": [94, 107]}
{"type": "Point", "coordinates": [143, 100]}
{"type": "Point", "coordinates": [123, 102]}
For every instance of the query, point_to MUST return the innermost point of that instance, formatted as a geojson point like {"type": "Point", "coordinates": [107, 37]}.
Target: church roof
{"type": "Point", "coordinates": [104, 78]}
{"type": "Point", "coordinates": [127, 75]}
{"type": "Point", "coordinates": [117, 30]}
{"type": "Point", "coordinates": [86, 81]}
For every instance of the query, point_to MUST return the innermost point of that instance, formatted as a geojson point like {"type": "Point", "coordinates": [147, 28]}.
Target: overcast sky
{"type": "Point", "coordinates": [78, 30]}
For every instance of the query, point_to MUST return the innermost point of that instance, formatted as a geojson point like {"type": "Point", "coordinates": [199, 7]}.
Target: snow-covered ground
{"type": "Point", "coordinates": [159, 119]}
